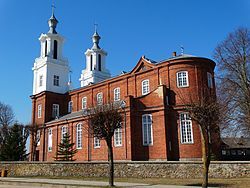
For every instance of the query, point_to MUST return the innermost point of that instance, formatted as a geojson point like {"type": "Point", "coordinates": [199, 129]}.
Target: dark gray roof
{"type": "Point", "coordinates": [72, 115]}
{"type": "Point", "coordinates": [236, 142]}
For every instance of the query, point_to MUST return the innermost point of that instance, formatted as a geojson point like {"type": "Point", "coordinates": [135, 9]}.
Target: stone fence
{"type": "Point", "coordinates": [136, 169]}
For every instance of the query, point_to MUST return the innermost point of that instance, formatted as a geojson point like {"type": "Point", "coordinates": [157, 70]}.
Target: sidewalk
{"type": "Point", "coordinates": [68, 183]}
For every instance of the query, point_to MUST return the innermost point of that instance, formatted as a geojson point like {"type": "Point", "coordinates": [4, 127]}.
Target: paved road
{"type": "Point", "coordinates": [66, 183]}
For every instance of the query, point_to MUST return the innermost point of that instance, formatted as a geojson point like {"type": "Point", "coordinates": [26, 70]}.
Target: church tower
{"type": "Point", "coordinates": [95, 64]}
{"type": "Point", "coordinates": [51, 69]}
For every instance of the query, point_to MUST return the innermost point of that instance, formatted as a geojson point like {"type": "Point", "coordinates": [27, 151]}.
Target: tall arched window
{"type": "Point", "coordinates": [99, 62]}
{"type": "Point", "coordinates": [46, 46]}
{"type": "Point", "coordinates": [55, 50]}
{"type": "Point", "coordinates": [79, 136]}
{"type": "Point", "coordinates": [91, 62]}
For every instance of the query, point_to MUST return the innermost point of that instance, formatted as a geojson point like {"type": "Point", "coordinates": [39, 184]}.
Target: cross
{"type": "Point", "coordinates": [53, 6]}
{"type": "Point", "coordinates": [182, 50]}
{"type": "Point", "coordinates": [95, 24]}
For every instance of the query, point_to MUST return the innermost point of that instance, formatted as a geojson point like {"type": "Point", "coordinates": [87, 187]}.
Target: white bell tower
{"type": "Point", "coordinates": [51, 69]}
{"type": "Point", "coordinates": [95, 64]}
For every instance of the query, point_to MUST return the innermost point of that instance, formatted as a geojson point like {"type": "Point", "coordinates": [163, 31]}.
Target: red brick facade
{"type": "Point", "coordinates": [165, 101]}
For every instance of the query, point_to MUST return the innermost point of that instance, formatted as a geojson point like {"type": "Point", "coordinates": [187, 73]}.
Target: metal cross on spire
{"type": "Point", "coordinates": [53, 7]}
{"type": "Point", "coordinates": [95, 24]}
{"type": "Point", "coordinates": [182, 50]}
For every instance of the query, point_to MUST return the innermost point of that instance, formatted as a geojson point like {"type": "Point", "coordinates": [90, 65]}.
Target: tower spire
{"type": "Point", "coordinates": [52, 21]}
{"type": "Point", "coordinates": [96, 38]}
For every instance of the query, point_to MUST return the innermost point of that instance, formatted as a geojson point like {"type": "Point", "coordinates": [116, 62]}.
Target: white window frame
{"type": "Point", "coordinates": [99, 98]}
{"type": "Point", "coordinates": [39, 111]}
{"type": "Point", "coordinates": [145, 87]}
{"type": "Point", "coordinates": [84, 102]}
{"type": "Point", "coordinates": [186, 129]}
{"type": "Point", "coordinates": [79, 136]}
{"type": "Point", "coordinates": [97, 142]}
{"type": "Point", "coordinates": [70, 106]}
{"type": "Point", "coordinates": [64, 131]}
{"type": "Point", "coordinates": [50, 136]}
{"type": "Point", "coordinates": [117, 94]}
{"type": "Point", "coordinates": [56, 80]}
{"type": "Point", "coordinates": [147, 130]}
{"type": "Point", "coordinates": [38, 137]}
{"type": "Point", "coordinates": [210, 80]}
{"type": "Point", "coordinates": [182, 79]}
{"type": "Point", "coordinates": [40, 80]}
{"type": "Point", "coordinates": [118, 137]}
{"type": "Point", "coordinates": [55, 110]}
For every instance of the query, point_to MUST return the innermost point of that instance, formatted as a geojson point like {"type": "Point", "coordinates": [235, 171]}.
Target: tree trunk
{"type": "Point", "coordinates": [205, 158]}
{"type": "Point", "coordinates": [111, 162]}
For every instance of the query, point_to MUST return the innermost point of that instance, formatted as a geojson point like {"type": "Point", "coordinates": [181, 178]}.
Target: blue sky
{"type": "Point", "coordinates": [129, 29]}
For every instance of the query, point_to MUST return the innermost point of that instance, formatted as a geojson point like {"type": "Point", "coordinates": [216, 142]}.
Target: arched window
{"type": "Point", "coordinates": [46, 46]}
{"type": "Point", "coordinates": [50, 139]}
{"type": "Point", "coordinates": [55, 50]}
{"type": "Point", "coordinates": [147, 130]}
{"type": "Point", "coordinates": [91, 62]}
{"type": "Point", "coordinates": [70, 106]}
{"type": "Point", "coordinates": [186, 128]}
{"type": "Point", "coordinates": [99, 62]}
{"type": "Point", "coordinates": [79, 136]}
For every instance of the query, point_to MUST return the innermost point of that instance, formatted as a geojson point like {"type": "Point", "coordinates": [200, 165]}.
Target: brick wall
{"type": "Point", "coordinates": [128, 169]}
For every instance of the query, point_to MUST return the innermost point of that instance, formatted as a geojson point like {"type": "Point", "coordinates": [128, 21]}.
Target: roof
{"type": "Point", "coordinates": [72, 115]}
{"type": "Point", "coordinates": [236, 142]}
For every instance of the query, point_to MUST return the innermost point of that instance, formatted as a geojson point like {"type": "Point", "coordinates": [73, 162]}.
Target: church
{"type": "Point", "coordinates": [153, 97]}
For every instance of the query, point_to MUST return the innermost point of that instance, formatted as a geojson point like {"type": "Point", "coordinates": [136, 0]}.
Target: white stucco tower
{"type": "Point", "coordinates": [95, 64]}
{"type": "Point", "coordinates": [51, 69]}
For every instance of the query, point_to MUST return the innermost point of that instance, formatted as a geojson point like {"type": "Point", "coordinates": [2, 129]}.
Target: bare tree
{"type": "Point", "coordinates": [6, 115]}
{"type": "Point", "coordinates": [34, 139]}
{"type": "Point", "coordinates": [205, 112]}
{"type": "Point", "coordinates": [233, 58]}
{"type": "Point", "coordinates": [104, 120]}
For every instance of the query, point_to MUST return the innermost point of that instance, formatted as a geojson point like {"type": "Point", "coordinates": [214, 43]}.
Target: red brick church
{"type": "Point", "coordinates": [156, 125]}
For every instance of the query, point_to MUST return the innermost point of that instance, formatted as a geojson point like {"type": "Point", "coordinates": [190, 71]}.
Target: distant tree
{"type": "Point", "coordinates": [233, 59]}
{"type": "Point", "coordinates": [205, 112]}
{"type": "Point", "coordinates": [66, 149]}
{"type": "Point", "coordinates": [14, 148]}
{"type": "Point", "coordinates": [6, 119]}
{"type": "Point", "coordinates": [34, 139]}
{"type": "Point", "coordinates": [104, 120]}
{"type": "Point", "coordinates": [6, 115]}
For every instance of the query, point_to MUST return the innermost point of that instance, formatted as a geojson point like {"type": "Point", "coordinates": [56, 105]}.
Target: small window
{"type": "Point", "coordinates": [55, 49]}
{"type": "Point", "coordinates": [99, 99]}
{"type": "Point", "coordinates": [38, 137]}
{"type": "Point", "coordinates": [147, 133]}
{"type": "Point", "coordinates": [40, 80]}
{"type": "Point", "coordinates": [49, 139]}
{"type": "Point", "coordinates": [84, 102]}
{"type": "Point", "coordinates": [70, 106]}
{"type": "Point", "coordinates": [79, 136]}
{"type": "Point", "coordinates": [186, 128]}
{"type": "Point", "coordinates": [46, 46]}
{"type": "Point", "coordinates": [97, 143]}
{"type": "Point", "coordinates": [55, 110]}
{"type": "Point", "coordinates": [56, 80]}
{"type": "Point", "coordinates": [223, 152]}
{"type": "Point", "coordinates": [91, 62]}
{"type": "Point", "coordinates": [99, 62]}
{"type": "Point", "coordinates": [39, 111]}
{"type": "Point", "coordinates": [145, 87]}
{"type": "Point", "coordinates": [118, 137]}
{"type": "Point", "coordinates": [182, 79]}
{"type": "Point", "coordinates": [209, 80]}
{"type": "Point", "coordinates": [117, 94]}
{"type": "Point", "coordinates": [64, 132]}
